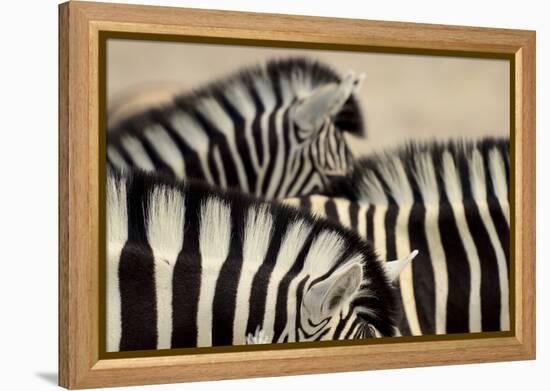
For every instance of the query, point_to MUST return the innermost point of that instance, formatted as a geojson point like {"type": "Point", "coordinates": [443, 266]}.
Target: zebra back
{"type": "Point", "coordinates": [190, 266]}
{"type": "Point", "coordinates": [450, 202]}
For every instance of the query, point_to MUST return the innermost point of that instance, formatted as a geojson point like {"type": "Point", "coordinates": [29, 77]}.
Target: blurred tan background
{"type": "Point", "coordinates": [403, 96]}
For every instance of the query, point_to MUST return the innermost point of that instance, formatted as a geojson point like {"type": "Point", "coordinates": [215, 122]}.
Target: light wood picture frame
{"type": "Point", "coordinates": [83, 30]}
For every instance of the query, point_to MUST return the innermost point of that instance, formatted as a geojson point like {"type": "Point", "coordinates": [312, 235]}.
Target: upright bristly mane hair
{"type": "Point", "coordinates": [299, 76]}
{"type": "Point", "coordinates": [461, 169]}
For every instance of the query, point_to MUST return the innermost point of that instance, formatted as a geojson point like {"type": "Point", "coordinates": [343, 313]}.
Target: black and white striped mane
{"type": "Point", "coordinates": [452, 171]}
{"type": "Point", "coordinates": [303, 75]}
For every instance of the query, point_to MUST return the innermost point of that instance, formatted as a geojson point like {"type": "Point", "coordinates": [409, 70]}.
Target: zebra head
{"type": "Point", "coordinates": [347, 304]}
{"type": "Point", "coordinates": [320, 120]}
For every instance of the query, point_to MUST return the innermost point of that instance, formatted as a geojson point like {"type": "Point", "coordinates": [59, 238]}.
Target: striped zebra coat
{"type": "Point", "coordinates": [451, 203]}
{"type": "Point", "coordinates": [274, 131]}
{"type": "Point", "coordinates": [190, 266]}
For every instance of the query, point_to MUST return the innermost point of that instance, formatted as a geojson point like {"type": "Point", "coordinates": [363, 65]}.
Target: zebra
{"type": "Point", "coordinates": [275, 131]}
{"type": "Point", "coordinates": [450, 201]}
{"type": "Point", "coordinates": [189, 265]}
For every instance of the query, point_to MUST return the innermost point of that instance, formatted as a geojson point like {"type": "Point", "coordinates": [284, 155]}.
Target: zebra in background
{"type": "Point", "coordinates": [450, 201]}
{"type": "Point", "coordinates": [191, 266]}
{"type": "Point", "coordinates": [274, 131]}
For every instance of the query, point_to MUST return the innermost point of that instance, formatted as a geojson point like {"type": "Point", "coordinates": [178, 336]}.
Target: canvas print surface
{"type": "Point", "coordinates": [274, 195]}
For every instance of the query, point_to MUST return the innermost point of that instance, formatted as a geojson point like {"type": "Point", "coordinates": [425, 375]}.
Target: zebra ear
{"type": "Point", "coordinates": [394, 268]}
{"type": "Point", "coordinates": [325, 101]}
{"type": "Point", "coordinates": [328, 295]}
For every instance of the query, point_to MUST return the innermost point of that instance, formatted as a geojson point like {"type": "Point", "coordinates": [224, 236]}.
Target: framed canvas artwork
{"type": "Point", "coordinates": [251, 195]}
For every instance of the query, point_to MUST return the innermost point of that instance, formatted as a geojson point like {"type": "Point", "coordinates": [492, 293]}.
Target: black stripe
{"type": "Point", "coordinates": [301, 163]}
{"type": "Point", "coordinates": [354, 325]}
{"type": "Point", "coordinates": [282, 293]}
{"type": "Point", "coordinates": [136, 276]}
{"type": "Point", "coordinates": [495, 210]}
{"type": "Point", "coordinates": [187, 278]}
{"type": "Point", "coordinates": [458, 272]}
{"type": "Point", "coordinates": [310, 175]}
{"type": "Point", "coordinates": [257, 130]}
{"type": "Point", "coordinates": [305, 204]}
{"type": "Point", "coordinates": [422, 272]}
{"type": "Point", "coordinates": [390, 221]}
{"type": "Point", "coordinates": [225, 295]}
{"type": "Point", "coordinates": [258, 292]}
{"type": "Point", "coordinates": [273, 143]}
{"type": "Point", "coordinates": [354, 216]}
{"type": "Point", "coordinates": [341, 324]}
{"type": "Point", "coordinates": [286, 156]}
{"type": "Point", "coordinates": [212, 166]}
{"type": "Point", "coordinates": [331, 211]}
{"type": "Point", "coordinates": [458, 269]}
{"type": "Point", "coordinates": [218, 138]}
{"type": "Point", "coordinates": [490, 289]}
{"type": "Point", "coordinates": [501, 227]}
{"type": "Point", "coordinates": [240, 141]}
{"type": "Point", "coordinates": [328, 150]}
{"type": "Point", "coordinates": [299, 300]}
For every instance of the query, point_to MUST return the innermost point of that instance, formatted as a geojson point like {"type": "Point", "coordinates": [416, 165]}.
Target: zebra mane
{"type": "Point", "coordinates": [301, 74]}
{"type": "Point", "coordinates": [427, 171]}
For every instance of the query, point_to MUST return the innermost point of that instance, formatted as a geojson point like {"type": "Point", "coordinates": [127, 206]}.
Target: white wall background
{"type": "Point", "coordinates": [28, 205]}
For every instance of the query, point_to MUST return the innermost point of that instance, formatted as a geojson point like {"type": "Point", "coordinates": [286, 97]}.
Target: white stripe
{"type": "Point", "coordinates": [278, 174]}
{"type": "Point", "coordinates": [117, 235]}
{"type": "Point", "coordinates": [291, 174]}
{"type": "Point", "coordinates": [214, 242]}
{"type": "Point", "coordinates": [241, 100]}
{"type": "Point", "coordinates": [165, 222]}
{"type": "Point", "coordinates": [137, 153]}
{"type": "Point", "coordinates": [222, 181]}
{"type": "Point", "coordinates": [166, 148]}
{"type": "Point", "coordinates": [265, 92]}
{"type": "Point", "coordinates": [318, 205]}
{"type": "Point", "coordinates": [306, 169]}
{"type": "Point", "coordinates": [454, 193]}
{"type": "Point", "coordinates": [380, 230]}
{"type": "Point", "coordinates": [439, 265]}
{"type": "Point", "coordinates": [294, 239]}
{"type": "Point", "coordinates": [477, 178]}
{"type": "Point", "coordinates": [406, 282]}
{"type": "Point", "coordinates": [362, 220]}
{"type": "Point", "coordinates": [257, 236]}
{"type": "Point", "coordinates": [115, 157]}
{"type": "Point", "coordinates": [342, 207]}
{"type": "Point", "coordinates": [215, 114]}
{"type": "Point", "coordinates": [195, 137]}
{"type": "Point", "coordinates": [294, 202]}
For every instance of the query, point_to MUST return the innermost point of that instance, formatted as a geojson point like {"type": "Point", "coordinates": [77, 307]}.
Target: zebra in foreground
{"type": "Point", "coordinates": [450, 201]}
{"type": "Point", "coordinates": [191, 266]}
{"type": "Point", "coordinates": [274, 131]}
